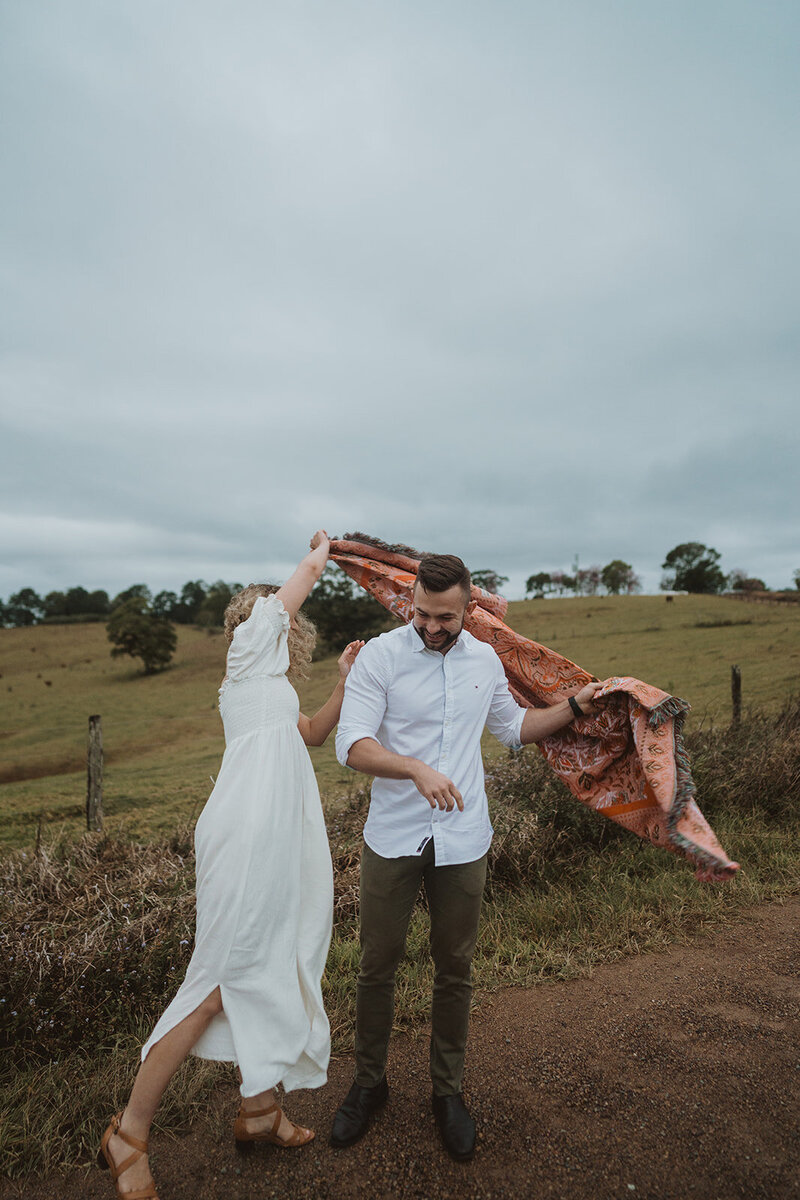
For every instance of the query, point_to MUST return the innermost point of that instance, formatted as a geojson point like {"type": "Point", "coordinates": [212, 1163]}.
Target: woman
{"type": "Point", "coordinates": [252, 990]}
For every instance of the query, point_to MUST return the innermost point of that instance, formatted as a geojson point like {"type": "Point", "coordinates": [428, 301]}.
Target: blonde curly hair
{"type": "Point", "coordinates": [302, 632]}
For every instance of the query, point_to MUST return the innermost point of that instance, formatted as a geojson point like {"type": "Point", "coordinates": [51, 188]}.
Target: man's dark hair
{"type": "Point", "coordinates": [438, 572]}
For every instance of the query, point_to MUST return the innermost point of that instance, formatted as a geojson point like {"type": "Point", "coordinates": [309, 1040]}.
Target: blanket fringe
{"type": "Point", "coordinates": [709, 868]}
{"type": "Point", "coordinates": [671, 708]}
{"type": "Point", "coordinates": [366, 539]}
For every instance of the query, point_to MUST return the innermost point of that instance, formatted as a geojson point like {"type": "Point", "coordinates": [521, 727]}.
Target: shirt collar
{"type": "Point", "coordinates": [417, 644]}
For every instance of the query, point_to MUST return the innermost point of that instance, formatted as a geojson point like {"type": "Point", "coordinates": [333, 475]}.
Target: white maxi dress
{"type": "Point", "coordinates": [264, 879]}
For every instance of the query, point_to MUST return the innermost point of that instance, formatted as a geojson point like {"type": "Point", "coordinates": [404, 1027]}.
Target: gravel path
{"type": "Point", "coordinates": [666, 1076]}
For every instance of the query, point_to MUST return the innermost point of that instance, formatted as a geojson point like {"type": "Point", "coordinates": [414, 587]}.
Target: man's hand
{"type": "Point", "coordinates": [540, 723]}
{"type": "Point", "coordinates": [348, 657]}
{"type": "Point", "coordinates": [584, 698]}
{"type": "Point", "coordinates": [438, 790]}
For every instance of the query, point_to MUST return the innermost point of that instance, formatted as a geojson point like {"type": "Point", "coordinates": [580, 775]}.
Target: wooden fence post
{"type": "Point", "coordinates": [736, 695]}
{"type": "Point", "coordinates": [94, 776]}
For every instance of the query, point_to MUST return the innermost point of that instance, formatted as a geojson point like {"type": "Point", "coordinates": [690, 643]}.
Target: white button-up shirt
{"type": "Point", "coordinates": [433, 707]}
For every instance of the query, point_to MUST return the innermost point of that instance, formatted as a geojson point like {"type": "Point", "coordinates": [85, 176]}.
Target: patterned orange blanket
{"type": "Point", "coordinates": [627, 761]}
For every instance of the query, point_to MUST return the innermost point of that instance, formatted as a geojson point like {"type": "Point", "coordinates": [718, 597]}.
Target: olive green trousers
{"type": "Point", "coordinates": [389, 889]}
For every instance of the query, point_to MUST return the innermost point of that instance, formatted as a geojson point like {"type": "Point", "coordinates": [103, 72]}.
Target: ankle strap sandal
{"type": "Point", "coordinates": [105, 1160]}
{"type": "Point", "coordinates": [245, 1139]}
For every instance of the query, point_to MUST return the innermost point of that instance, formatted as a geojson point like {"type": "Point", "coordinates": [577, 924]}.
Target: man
{"type": "Point", "coordinates": [416, 703]}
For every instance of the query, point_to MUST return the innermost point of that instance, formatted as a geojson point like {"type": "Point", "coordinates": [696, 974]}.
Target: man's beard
{"type": "Point", "coordinates": [444, 644]}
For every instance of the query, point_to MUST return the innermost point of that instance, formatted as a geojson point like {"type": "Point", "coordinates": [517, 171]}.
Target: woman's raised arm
{"type": "Point", "coordinates": [306, 574]}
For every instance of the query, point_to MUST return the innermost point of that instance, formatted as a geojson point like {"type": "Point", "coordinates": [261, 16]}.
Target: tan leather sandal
{"type": "Point", "coordinates": [105, 1160]}
{"type": "Point", "coordinates": [246, 1140]}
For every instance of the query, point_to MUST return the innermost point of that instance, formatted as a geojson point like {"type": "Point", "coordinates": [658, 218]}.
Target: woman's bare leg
{"type": "Point", "coordinates": [151, 1080]}
{"type": "Point", "coordinates": [285, 1127]}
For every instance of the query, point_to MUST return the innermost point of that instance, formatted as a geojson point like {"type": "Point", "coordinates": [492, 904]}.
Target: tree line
{"type": "Point", "coordinates": [688, 567]}
{"type": "Point", "coordinates": [335, 604]}
{"type": "Point", "coordinates": [198, 603]}
{"type": "Point", "coordinates": [616, 577]}
{"type": "Point", "coordinates": [142, 625]}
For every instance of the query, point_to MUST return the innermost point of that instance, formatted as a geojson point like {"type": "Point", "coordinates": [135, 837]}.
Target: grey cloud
{"type": "Point", "coordinates": [516, 281]}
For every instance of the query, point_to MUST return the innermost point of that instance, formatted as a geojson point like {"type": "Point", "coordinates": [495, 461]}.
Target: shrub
{"type": "Point", "coordinates": [541, 831]}
{"type": "Point", "coordinates": [753, 767]}
{"type": "Point", "coordinates": [97, 934]}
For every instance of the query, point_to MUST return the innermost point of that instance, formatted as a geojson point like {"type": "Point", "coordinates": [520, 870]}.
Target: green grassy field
{"type": "Point", "coordinates": [163, 737]}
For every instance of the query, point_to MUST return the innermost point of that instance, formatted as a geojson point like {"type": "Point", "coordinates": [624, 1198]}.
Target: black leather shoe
{"type": "Point", "coordinates": [455, 1125]}
{"type": "Point", "coordinates": [355, 1112]}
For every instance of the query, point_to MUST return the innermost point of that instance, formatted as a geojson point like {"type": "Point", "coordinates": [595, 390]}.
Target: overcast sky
{"type": "Point", "coordinates": [516, 281]}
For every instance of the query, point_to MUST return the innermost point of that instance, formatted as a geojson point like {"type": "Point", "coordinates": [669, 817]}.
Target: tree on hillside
{"type": "Point", "coordinates": [217, 598]}
{"type": "Point", "coordinates": [163, 605]}
{"type": "Point", "coordinates": [25, 607]}
{"type": "Point", "coordinates": [490, 581]}
{"type": "Point", "coordinates": [98, 601]}
{"type": "Point", "coordinates": [80, 602]}
{"type": "Point", "coordinates": [76, 601]}
{"type": "Point", "coordinates": [538, 584]}
{"type": "Point", "coordinates": [137, 591]}
{"type": "Point", "coordinates": [134, 630]}
{"type": "Point", "coordinates": [75, 604]}
{"type": "Point", "coordinates": [692, 567]}
{"type": "Point", "coordinates": [55, 605]}
{"type": "Point", "coordinates": [796, 578]}
{"type": "Point", "coordinates": [618, 576]}
{"type": "Point", "coordinates": [587, 581]}
{"type": "Point", "coordinates": [562, 582]}
{"type": "Point", "coordinates": [343, 612]}
{"type": "Point", "coordinates": [193, 593]}
{"type": "Point", "coordinates": [740, 581]}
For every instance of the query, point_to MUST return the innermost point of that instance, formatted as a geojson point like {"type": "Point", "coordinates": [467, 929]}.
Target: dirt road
{"type": "Point", "coordinates": [666, 1076]}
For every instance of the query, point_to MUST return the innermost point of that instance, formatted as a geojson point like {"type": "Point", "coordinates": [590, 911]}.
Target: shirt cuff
{"type": "Point", "coordinates": [347, 739]}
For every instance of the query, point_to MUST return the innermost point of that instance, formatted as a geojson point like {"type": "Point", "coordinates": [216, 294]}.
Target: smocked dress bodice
{"type": "Point", "coordinates": [255, 704]}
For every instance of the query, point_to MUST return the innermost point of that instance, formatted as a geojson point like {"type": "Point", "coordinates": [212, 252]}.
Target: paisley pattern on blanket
{"type": "Point", "coordinates": [627, 761]}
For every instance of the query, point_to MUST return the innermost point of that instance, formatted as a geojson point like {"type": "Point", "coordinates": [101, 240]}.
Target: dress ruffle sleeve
{"type": "Point", "coordinates": [260, 644]}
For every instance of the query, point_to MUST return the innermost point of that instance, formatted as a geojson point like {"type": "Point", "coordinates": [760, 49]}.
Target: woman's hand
{"type": "Point", "coordinates": [315, 730]}
{"type": "Point", "coordinates": [320, 538]}
{"type": "Point", "coordinates": [348, 657]}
